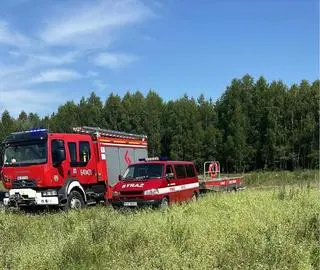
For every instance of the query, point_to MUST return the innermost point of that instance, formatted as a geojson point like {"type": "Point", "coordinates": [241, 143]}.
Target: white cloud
{"type": "Point", "coordinates": [113, 60]}
{"type": "Point", "coordinates": [28, 100]}
{"type": "Point", "coordinates": [10, 70]}
{"type": "Point", "coordinates": [27, 96]}
{"type": "Point", "coordinates": [91, 74]}
{"type": "Point", "coordinates": [51, 59]}
{"type": "Point", "coordinates": [99, 85]}
{"type": "Point", "coordinates": [52, 54]}
{"type": "Point", "coordinates": [93, 22]}
{"type": "Point", "coordinates": [55, 75]}
{"type": "Point", "coordinates": [33, 60]}
{"type": "Point", "coordinates": [13, 38]}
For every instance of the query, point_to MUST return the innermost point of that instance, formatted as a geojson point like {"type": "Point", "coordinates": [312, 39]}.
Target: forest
{"type": "Point", "coordinates": [254, 125]}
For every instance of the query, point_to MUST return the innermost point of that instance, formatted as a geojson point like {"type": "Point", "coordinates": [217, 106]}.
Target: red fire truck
{"type": "Point", "coordinates": [66, 170]}
{"type": "Point", "coordinates": [155, 182]}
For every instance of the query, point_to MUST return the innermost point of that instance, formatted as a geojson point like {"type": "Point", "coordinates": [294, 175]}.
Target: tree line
{"type": "Point", "coordinates": [254, 125]}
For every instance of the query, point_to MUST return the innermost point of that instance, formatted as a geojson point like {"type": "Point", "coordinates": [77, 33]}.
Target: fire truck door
{"type": "Point", "coordinates": [82, 162]}
{"type": "Point", "coordinates": [58, 172]}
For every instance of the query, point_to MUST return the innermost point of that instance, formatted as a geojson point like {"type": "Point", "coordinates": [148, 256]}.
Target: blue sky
{"type": "Point", "coordinates": [54, 51]}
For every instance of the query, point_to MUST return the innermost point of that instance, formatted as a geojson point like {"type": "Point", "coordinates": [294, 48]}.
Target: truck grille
{"type": "Point", "coordinates": [24, 184]}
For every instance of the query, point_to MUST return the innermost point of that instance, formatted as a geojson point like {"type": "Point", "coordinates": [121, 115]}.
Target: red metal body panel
{"type": "Point", "coordinates": [224, 183]}
{"type": "Point", "coordinates": [176, 190]}
{"type": "Point", "coordinates": [48, 176]}
{"type": "Point", "coordinates": [91, 173]}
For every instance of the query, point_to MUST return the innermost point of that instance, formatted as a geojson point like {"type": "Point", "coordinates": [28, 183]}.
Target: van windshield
{"type": "Point", "coordinates": [143, 171]}
{"type": "Point", "coordinates": [24, 154]}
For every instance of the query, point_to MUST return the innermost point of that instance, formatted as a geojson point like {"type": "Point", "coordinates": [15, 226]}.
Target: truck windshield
{"type": "Point", "coordinates": [143, 171]}
{"type": "Point", "coordinates": [25, 154]}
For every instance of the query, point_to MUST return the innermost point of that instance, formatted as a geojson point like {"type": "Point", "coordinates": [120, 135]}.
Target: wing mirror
{"type": "Point", "coordinates": [170, 176]}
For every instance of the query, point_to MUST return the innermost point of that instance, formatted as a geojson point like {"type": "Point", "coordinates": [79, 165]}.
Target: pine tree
{"type": "Point", "coordinates": [152, 122]}
{"type": "Point", "coordinates": [112, 113]}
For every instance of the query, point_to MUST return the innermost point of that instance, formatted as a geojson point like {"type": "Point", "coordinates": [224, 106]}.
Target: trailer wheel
{"type": "Point", "coordinates": [164, 203]}
{"type": "Point", "coordinates": [75, 201]}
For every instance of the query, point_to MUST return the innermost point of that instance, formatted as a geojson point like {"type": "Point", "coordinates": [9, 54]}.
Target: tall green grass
{"type": "Point", "coordinates": [254, 229]}
{"type": "Point", "coordinates": [281, 178]}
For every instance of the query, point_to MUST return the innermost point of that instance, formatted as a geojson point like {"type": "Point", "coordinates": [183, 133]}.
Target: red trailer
{"type": "Point", "coordinates": [212, 180]}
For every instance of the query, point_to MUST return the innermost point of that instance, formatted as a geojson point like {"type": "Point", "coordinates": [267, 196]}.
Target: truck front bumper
{"type": "Point", "coordinates": [27, 197]}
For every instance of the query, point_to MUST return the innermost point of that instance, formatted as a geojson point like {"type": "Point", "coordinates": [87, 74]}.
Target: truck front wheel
{"type": "Point", "coordinates": [74, 201]}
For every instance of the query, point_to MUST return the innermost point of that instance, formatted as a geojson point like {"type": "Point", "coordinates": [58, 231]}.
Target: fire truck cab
{"type": "Point", "coordinates": [66, 170]}
{"type": "Point", "coordinates": [154, 182]}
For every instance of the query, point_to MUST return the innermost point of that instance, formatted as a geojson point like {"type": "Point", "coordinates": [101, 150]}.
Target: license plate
{"type": "Point", "coordinates": [130, 204]}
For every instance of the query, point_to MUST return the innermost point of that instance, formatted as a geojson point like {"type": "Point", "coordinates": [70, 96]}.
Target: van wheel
{"type": "Point", "coordinates": [75, 201]}
{"type": "Point", "coordinates": [194, 197]}
{"type": "Point", "coordinates": [164, 203]}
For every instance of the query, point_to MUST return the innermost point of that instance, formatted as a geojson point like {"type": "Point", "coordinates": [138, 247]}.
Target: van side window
{"type": "Point", "coordinates": [190, 170]}
{"type": "Point", "coordinates": [72, 151]}
{"type": "Point", "coordinates": [169, 169]}
{"type": "Point", "coordinates": [169, 172]}
{"type": "Point", "coordinates": [180, 171]}
{"type": "Point", "coordinates": [84, 151]}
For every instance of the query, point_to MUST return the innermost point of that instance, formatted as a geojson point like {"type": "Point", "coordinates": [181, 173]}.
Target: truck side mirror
{"type": "Point", "coordinates": [170, 176]}
{"type": "Point", "coordinates": [59, 156]}
{"type": "Point", "coordinates": [119, 177]}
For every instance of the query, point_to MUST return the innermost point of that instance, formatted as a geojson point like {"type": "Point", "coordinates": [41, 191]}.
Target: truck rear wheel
{"type": "Point", "coordinates": [75, 201]}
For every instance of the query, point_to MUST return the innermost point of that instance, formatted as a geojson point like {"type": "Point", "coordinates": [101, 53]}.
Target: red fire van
{"type": "Point", "coordinates": [154, 182]}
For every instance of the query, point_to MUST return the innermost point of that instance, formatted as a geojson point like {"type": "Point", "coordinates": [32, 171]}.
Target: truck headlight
{"type": "Point", "coordinates": [49, 193]}
{"type": "Point", "coordinates": [153, 191]}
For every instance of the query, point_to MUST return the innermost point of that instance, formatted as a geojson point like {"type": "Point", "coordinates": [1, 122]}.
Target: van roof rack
{"type": "Point", "coordinates": [97, 131]}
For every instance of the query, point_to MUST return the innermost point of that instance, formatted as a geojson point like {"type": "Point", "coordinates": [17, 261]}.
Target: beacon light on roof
{"type": "Point", "coordinates": [35, 132]}
{"type": "Point", "coordinates": [153, 159]}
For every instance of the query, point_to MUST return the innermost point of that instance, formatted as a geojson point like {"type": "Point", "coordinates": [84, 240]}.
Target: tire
{"type": "Point", "coordinates": [75, 201]}
{"type": "Point", "coordinates": [164, 203]}
{"type": "Point", "coordinates": [194, 197]}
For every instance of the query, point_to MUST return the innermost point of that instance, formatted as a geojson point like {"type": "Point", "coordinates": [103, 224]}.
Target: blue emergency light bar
{"type": "Point", "coordinates": [27, 135]}
{"type": "Point", "coordinates": [34, 131]}
{"type": "Point", "coordinates": [154, 159]}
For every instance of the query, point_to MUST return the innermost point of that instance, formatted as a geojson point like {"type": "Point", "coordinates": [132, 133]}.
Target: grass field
{"type": "Point", "coordinates": [276, 228]}
{"type": "Point", "coordinates": [280, 178]}
{"type": "Point", "coordinates": [274, 178]}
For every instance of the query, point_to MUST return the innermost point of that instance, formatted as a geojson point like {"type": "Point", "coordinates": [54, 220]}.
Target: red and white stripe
{"type": "Point", "coordinates": [177, 188]}
{"type": "Point", "coordinates": [124, 145]}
